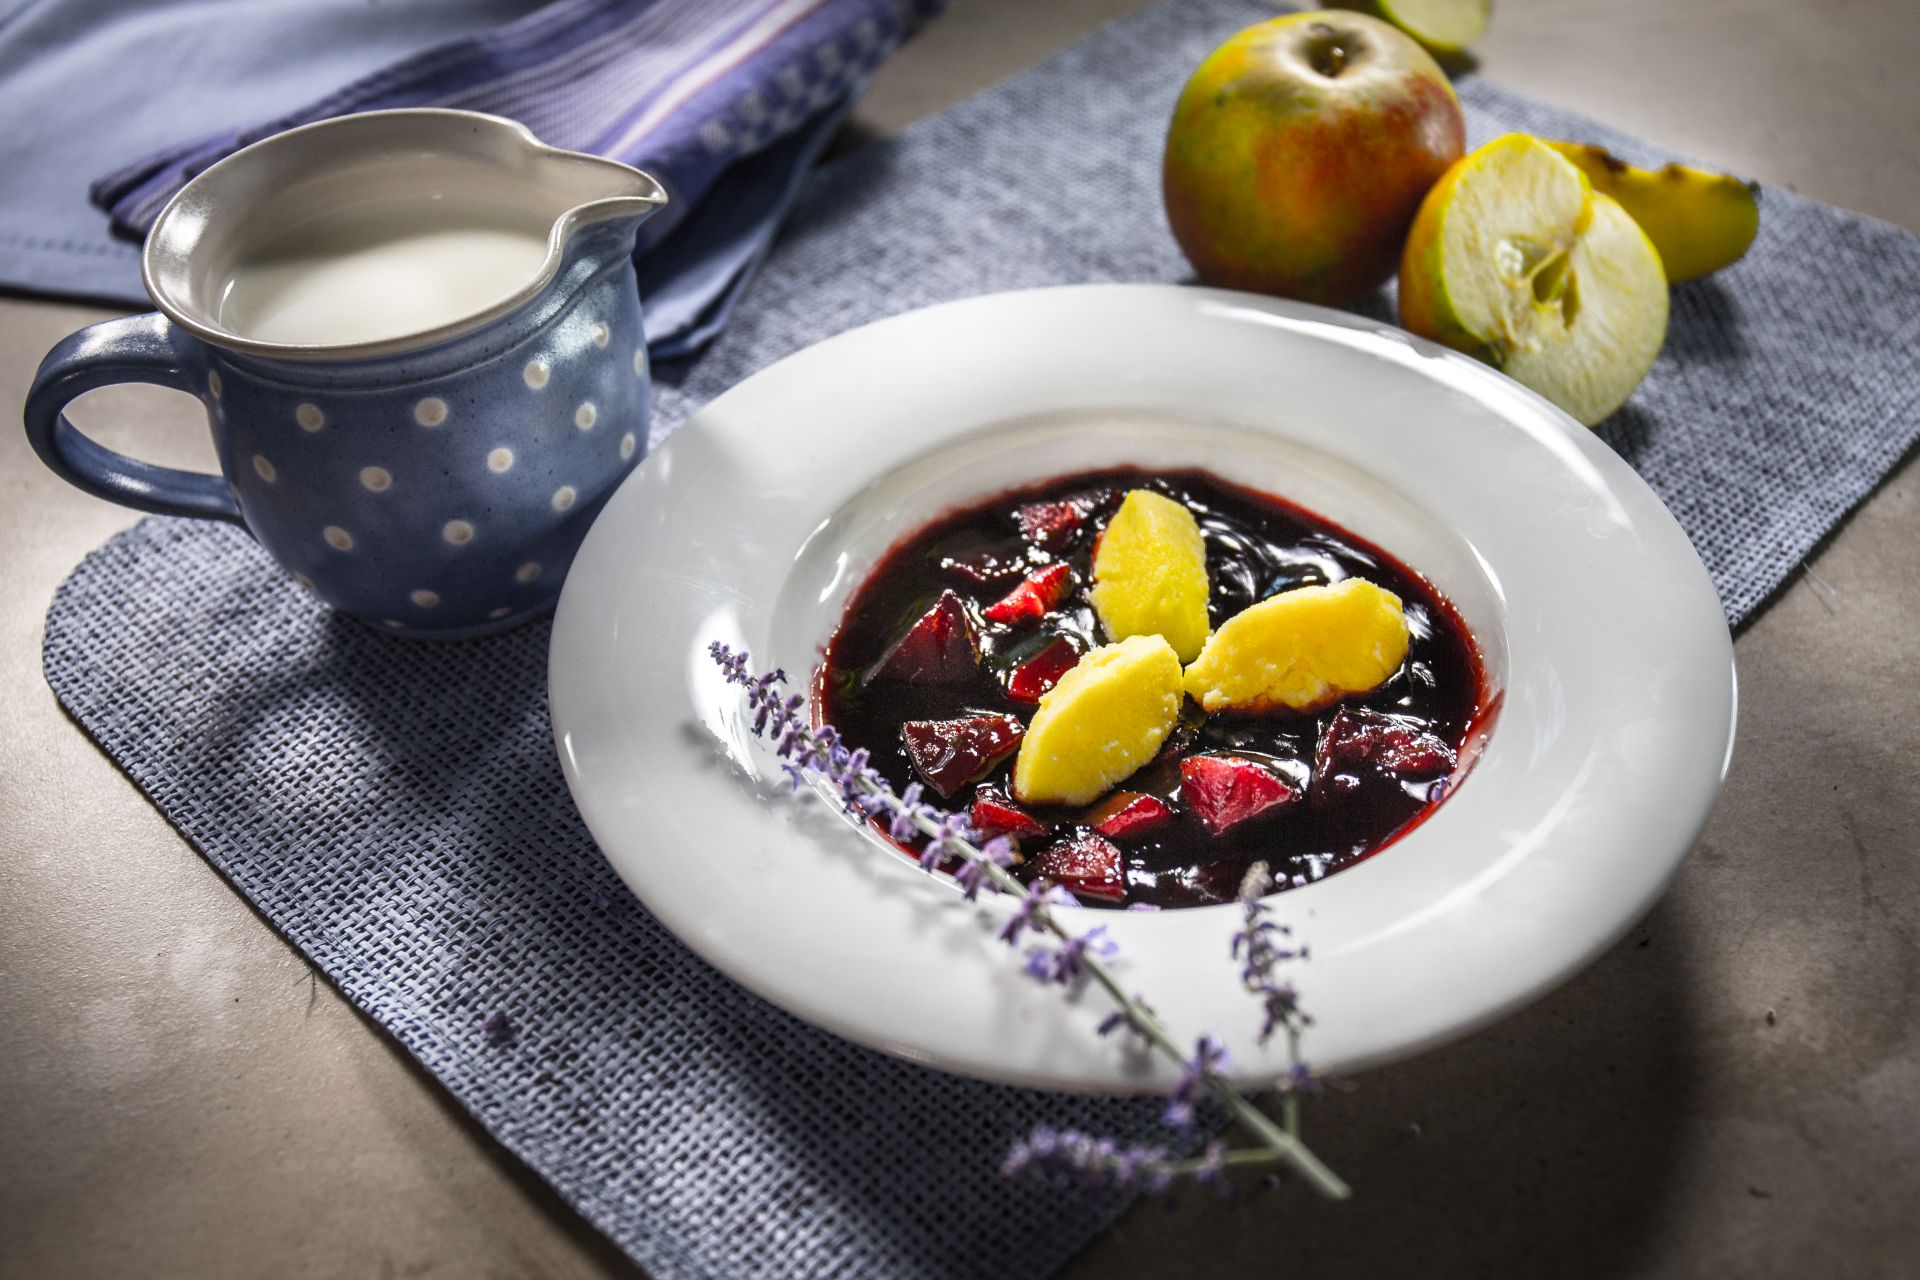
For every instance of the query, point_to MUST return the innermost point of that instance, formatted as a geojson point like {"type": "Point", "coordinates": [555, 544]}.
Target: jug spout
{"type": "Point", "coordinates": [583, 190]}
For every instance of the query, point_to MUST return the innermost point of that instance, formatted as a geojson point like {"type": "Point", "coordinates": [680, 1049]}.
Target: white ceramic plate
{"type": "Point", "coordinates": [754, 523]}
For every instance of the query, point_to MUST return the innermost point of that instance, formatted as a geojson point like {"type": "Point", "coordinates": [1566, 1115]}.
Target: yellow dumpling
{"type": "Point", "coordinates": [1301, 649]}
{"type": "Point", "coordinates": [1150, 574]}
{"type": "Point", "coordinates": [1106, 718]}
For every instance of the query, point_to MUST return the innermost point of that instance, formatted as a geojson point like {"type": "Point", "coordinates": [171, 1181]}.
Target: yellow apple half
{"type": "Point", "coordinates": [1515, 259]}
{"type": "Point", "coordinates": [1699, 221]}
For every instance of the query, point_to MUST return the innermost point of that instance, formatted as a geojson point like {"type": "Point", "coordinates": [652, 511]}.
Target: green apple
{"type": "Point", "coordinates": [1299, 153]}
{"type": "Point", "coordinates": [1516, 259]}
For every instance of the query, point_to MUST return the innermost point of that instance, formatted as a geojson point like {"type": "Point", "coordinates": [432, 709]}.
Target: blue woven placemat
{"type": "Point", "coordinates": [396, 809]}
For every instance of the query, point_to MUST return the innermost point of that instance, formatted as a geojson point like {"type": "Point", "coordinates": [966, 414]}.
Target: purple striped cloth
{"type": "Point", "coordinates": [726, 102]}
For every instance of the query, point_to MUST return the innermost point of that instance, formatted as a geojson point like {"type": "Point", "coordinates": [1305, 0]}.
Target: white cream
{"type": "Point", "coordinates": [383, 273]}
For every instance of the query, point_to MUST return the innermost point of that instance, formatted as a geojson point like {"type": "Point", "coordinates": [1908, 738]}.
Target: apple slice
{"type": "Point", "coordinates": [1150, 573]}
{"type": "Point", "coordinates": [1444, 26]}
{"type": "Point", "coordinates": [1698, 221]}
{"type": "Point", "coordinates": [1105, 719]}
{"type": "Point", "coordinates": [1516, 260]}
{"type": "Point", "coordinates": [941, 647]}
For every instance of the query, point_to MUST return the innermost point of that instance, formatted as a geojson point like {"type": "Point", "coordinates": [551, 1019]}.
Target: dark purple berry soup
{"type": "Point", "coordinates": [949, 655]}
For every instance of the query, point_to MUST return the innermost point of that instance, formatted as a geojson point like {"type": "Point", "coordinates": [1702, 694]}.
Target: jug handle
{"type": "Point", "coordinates": [142, 348]}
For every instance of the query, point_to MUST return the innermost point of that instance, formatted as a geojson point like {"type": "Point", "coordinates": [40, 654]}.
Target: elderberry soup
{"type": "Point", "coordinates": [1151, 681]}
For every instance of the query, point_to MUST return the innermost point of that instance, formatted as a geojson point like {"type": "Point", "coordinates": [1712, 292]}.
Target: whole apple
{"type": "Point", "coordinates": [1299, 153]}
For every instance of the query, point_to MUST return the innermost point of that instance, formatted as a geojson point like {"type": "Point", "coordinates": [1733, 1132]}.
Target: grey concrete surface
{"type": "Point", "coordinates": [1733, 1091]}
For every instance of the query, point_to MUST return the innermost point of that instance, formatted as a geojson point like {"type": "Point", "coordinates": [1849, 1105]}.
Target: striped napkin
{"type": "Point", "coordinates": [726, 102]}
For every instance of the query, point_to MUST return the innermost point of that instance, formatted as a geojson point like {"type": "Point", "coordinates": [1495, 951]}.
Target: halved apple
{"type": "Point", "coordinates": [1698, 221]}
{"type": "Point", "coordinates": [1516, 260]}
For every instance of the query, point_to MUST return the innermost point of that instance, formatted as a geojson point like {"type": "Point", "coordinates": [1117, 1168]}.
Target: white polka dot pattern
{"type": "Point", "coordinates": [469, 484]}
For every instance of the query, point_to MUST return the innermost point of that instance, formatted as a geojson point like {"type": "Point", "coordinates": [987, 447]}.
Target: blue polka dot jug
{"type": "Point", "coordinates": [417, 336]}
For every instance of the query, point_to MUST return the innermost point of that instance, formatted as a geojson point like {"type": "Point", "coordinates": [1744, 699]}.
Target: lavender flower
{"type": "Point", "coordinates": [1032, 910]}
{"type": "Point", "coordinates": [1212, 1170]}
{"type": "Point", "coordinates": [1132, 1015]}
{"type": "Point", "coordinates": [1208, 1060]}
{"type": "Point", "coordinates": [1070, 1157]}
{"type": "Point", "coordinates": [1067, 960]}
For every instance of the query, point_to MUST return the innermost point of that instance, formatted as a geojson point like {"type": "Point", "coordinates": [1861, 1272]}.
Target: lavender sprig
{"type": "Point", "coordinates": [1260, 946]}
{"type": "Point", "coordinates": [805, 750]}
{"type": "Point", "coordinates": [1068, 1157]}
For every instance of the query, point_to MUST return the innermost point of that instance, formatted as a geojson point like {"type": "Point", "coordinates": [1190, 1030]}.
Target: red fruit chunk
{"type": "Point", "coordinates": [995, 814]}
{"type": "Point", "coordinates": [1033, 598]}
{"type": "Point", "coordinates": [951, 753]}
{"type": "Point", "coordinates": [1042, 671]}
{"type": "Point", "coordinates": [1225, 791]}
{"type": "Point", "coordinates": [1086, 864]}
{"type": "Point", "coordinates": [941, 648]}
{"type": "Point", "coordinates": [1358, 736]}
{"type": "Point", "coordinates": [1051, 525]}
{"type": "Point", "coordinates": [1129, 813]}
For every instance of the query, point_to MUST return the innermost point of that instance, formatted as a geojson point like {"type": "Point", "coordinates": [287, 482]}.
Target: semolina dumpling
{"type": "Point", "coordinates": [1302, 649]}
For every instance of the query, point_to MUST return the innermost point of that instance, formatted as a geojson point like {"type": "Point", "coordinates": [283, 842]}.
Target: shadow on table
{"type": "Point", "coordinates": [1540, 1146]}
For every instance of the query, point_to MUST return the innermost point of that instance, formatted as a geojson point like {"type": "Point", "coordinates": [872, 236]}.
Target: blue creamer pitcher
{"type": "Point", "coordinates": [417, 336]}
